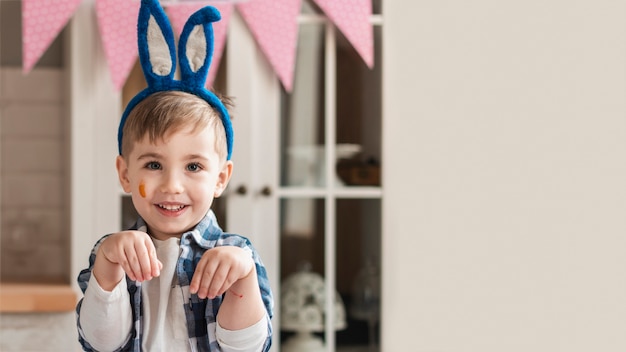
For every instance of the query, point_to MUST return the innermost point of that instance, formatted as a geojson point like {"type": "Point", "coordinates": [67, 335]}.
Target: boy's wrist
{"type": "Point", "coordinates": [240, 285]}
{"type": "Point", "coordinates": [107, 273]}
{"type": "Point", "coordinates": [100, 253]}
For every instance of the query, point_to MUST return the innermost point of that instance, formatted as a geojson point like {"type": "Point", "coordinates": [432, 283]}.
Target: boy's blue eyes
{"type": "Point", "coordinates": [192, 167]}
{"type": "Point", "coordinates": [153, 165]}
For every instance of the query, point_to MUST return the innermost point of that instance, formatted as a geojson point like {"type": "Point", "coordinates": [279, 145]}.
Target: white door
{"type": "Point", "coordinates": [251, 198]}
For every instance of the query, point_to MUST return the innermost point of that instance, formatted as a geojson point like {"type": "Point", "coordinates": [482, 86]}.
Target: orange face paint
{"type": "Point", "coordinates": [142, 190]}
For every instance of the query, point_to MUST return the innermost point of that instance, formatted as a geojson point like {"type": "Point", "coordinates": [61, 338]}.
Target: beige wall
{"type": "Point", "coordinates": [505, 224]}
{"type": "Point", "coordinates": [33, 204]}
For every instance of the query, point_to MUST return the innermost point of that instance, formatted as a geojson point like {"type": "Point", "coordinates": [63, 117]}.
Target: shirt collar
{"type": "Point", "coordinates": [205, 233]}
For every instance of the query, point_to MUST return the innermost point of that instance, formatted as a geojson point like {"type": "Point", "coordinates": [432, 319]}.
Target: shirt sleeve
{"type": "Point", "coordinates": [249, 339]}
{"type": "Point", "coordinates": [106, 317]}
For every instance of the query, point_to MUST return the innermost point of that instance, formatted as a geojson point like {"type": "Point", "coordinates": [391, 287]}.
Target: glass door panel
{"type": "Point", "coordinates": [376, 6]}
{"type": "Point", "coordinates": [302, 235]}
{"type": "Point", "coordinates": [302, 268]}
{"type": "Point", "coordinates": [358, 112]}
{"type": "Point", "coordinates": [330, 233]}
{"type": "Point", "coordinates": [358, 228]}
{"type": "Point", "coordinates": [302, 120]}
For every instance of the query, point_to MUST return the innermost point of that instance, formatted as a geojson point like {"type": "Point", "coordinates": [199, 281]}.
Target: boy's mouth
{"type": "Point", "coordinates": [170, 207]}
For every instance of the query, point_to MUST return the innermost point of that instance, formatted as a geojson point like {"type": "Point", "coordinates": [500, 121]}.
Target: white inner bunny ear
{"type": "Point", "coordinates": [196, 48]}
{"type": "Point", "coordinates": [158, 49]}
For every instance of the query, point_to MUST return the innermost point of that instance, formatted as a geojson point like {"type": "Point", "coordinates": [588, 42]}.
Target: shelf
{"type": "Point", "coordinates": [31, 298]}
{"type": "Point", "coordinates": [338, 192]}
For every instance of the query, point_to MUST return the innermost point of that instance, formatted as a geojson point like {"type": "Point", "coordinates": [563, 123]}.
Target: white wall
{"type": "Point", "coordinates": [505, 223]}
{"type": "Point", "coordinates": [95, 110]}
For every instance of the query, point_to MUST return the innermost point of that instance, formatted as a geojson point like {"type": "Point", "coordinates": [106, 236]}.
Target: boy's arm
{"type": "Point", "coordinates": [242, 320]}
{"type": "Point", "coordinates": [242, 306]}
{"type": "Point", "coordinates": [244, 315]}
{"type": "Point", "coordinates": [105, 317]}
{"type": "Point", "coordinates": [114, 306]}
{"type": "Point", "coordinates": [107, 273]}
{"type": "Point", "coordinates": [254, 338]}
{"type": "Point", "coordinates": [230, 271]}
{"type": "Point", "coordinates": [105, 313]}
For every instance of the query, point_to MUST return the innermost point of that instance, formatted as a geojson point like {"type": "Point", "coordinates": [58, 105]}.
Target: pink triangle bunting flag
{"type": "Point", "coordinates": [117, 20]}
{"type": "Point", "coordinates": [42, 20]}
{"type": "Point", "coordinates": [274, 25]}
{"type": "Point", "coordinates": [178, 14]}
{"type": "Point", "coordinates": [352, 17]}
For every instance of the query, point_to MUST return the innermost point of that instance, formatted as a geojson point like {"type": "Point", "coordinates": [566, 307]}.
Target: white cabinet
{"type": "Point", "coordinates": [306, 184]}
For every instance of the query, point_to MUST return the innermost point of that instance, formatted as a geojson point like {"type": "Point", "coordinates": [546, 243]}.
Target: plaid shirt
{"type": "Point", "coordinates": [201, 313]}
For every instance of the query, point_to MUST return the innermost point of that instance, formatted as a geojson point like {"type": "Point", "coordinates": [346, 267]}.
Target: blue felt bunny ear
{"type": "Point", "coordinates": [155, 39]}
{"type": "Point", "coordinates": [157, 55]}
{"type": "Point", "coordinates": [195, 48]}
{"type": "Point", "coordinates": [195, 51]}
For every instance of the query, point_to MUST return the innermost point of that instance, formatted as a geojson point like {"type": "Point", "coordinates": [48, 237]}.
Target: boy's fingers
{"type": "Point", "coordinates": [128, 271]}
{"type": "Point", "coordinates": [132, 263]}
{"type": "Point", "coordinates": [155, 264]}
{"type": "Point", "coordinates": [197, 277]}
{"type": "Point", "coordinates": [122, 260]}
{"type": "Point", "coordinates": [217, 281]}
{"type": "Point", "coordinates": [146, 255]}
{"type": "Point", "coordinates": [226, 284]}
{"type": "Point", "coordinates": [156, 267]}
{"type": "Point", "coordinates": [206, 278]}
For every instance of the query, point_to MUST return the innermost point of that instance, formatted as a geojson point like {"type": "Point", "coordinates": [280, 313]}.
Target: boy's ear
{"type": "Point", "coordinates": [223, 178]}
{"type": "Point", "coordinates": [122, 173]}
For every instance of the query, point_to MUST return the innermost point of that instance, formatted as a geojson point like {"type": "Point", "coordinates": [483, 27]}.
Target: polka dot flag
{"type": "Point", "coordinates": [352, 17]}
{"type": "Point", "coordinates": [42, 20]}
{"type": "Point", "coordinates": [273, 24]}
{"type": "Point", "coordinates": [117, 20]}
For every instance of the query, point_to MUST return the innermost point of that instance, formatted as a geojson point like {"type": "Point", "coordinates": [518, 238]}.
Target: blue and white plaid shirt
{"type": "Point", "coordinates": [201, 313]}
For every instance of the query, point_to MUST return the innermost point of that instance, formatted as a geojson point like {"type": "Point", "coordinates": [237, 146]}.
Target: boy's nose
{"type": "Point", "coordinates": [172, 183]}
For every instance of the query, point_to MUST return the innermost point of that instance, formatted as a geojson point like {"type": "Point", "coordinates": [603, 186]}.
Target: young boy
{"type": "Point", "coordinates": [175, 281]}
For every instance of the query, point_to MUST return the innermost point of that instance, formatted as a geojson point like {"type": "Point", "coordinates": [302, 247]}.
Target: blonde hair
{"type": "Point", "coordinates": [167, 112]}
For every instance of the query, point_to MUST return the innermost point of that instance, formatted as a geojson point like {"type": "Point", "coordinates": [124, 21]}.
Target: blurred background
{"type": "Point", "coordinates": [425, 176]}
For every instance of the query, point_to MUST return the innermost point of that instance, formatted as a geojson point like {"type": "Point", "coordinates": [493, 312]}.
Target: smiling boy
{"type": "Point", "coordinates": [174, 281]}
{"type": "Point", "coordinates": [173, 172]}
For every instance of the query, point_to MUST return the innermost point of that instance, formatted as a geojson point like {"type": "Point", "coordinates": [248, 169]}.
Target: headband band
{"type": "Point", "coordinates": [157, 55]}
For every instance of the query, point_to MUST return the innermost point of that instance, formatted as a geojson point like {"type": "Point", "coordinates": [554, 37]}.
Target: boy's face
{"type": "Point", "coordinates": [173, 182]}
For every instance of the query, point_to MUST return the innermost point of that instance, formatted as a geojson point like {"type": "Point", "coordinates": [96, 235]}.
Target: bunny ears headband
{"type": "Point", "coordinates": [157, 55]}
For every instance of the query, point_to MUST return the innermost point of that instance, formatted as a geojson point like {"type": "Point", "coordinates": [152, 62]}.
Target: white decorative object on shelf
{"type": "Point", "coordinates": [303, 306]}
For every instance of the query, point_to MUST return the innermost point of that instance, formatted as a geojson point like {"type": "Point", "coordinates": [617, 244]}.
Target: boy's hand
{"type": "Point", "coordinates": [134, 252]}
{"type": "Point", "coordinates": [218, 269]}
